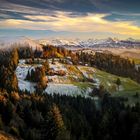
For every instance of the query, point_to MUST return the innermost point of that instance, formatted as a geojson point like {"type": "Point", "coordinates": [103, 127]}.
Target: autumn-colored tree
{"type": "Point", "coordinates": [14, 58]}
{"type": "Point", "coordinates": [57, 116]}
{"type": "Point", "coordinates": [46, 66]}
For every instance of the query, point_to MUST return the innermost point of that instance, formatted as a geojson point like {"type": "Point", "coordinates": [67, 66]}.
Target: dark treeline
{"type": "Point", "coordinates": [8, 64]}
{"type": "Point", "coordinates": [47, 51]}
{"type": "Point", "coordinates": [36, 74]}
{"type": "Point", "coordinates": [41, 117]}
{"type": "Point", "coordinates": [28, 52]}
{"type": "Point", "coordinates": [111, 63]}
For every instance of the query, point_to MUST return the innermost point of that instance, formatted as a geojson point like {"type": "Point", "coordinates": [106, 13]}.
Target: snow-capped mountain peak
{"type": "Point", "coordinates": [109, 42]}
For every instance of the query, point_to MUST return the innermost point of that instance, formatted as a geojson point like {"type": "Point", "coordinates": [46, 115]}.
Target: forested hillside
{"type": "Point", "coordinates": [41, 116]}
{"type": "Point", "coordinates": [111, 63]}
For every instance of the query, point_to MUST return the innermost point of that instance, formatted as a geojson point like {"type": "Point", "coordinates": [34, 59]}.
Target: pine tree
{"type": "Point", "coordinates": [28, 77]}
{"type": "Point", "coordinates": [118, 82]}
{"type": "Point", "coordinates": [46, 65]}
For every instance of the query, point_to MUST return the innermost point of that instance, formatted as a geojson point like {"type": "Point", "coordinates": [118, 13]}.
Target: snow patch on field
{"type": "Point", "coordinates": [21, 72]}
{"type": "Point", "coordinates": [66, 89]}
{"type": "Point", "coordinates": [58, 79]}
{"type": "Point", "coordinates": [57, 84]}
{"type": "Point", "coordinates": [26, 85]}
{"type": "Point", "coordinates": [57, 66]}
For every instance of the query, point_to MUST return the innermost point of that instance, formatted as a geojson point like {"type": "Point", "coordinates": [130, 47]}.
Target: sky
{"type": "Point", "coordinates": [70, 18]}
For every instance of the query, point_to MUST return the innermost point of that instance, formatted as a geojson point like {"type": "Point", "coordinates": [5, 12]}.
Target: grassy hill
{"type": "Point", "coordinates": [80, 80]}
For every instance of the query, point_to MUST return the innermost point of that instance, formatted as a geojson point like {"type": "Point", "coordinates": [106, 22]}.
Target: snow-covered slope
{"type": "Point", "coordinates": [67, 89]}
{"type": "Point", "coordinates": [79, 80]}
{"type": "Point", "coordinates": [57, 84]}
{"type": "Point", "coordinates": [21, 72]}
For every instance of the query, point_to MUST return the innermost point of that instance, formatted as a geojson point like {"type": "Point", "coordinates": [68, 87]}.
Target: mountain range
{"type": "Point", "coordinates": [7, 42]}
{"type": "Point", "coordinates": [109, 42]}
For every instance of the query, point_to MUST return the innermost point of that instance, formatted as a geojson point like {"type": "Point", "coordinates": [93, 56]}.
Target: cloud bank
{"type": "Point", "coordinates": [97, 16]}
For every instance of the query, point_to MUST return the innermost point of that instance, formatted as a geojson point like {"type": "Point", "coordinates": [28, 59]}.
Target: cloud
{"type": "Point", "coordinates": [113, 16]}
{"type": "Point", "coordinates": [116, 8]}
{"type": "Point", "coordinates": [63, 22]}
{"type": "Point", "coordinates": [78, 6]}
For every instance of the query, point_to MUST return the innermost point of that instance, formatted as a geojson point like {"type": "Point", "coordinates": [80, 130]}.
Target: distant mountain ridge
{"type": "Point", "coordinates": [22, 41]}
{"type": "Point", "coordinates": [109, 42]}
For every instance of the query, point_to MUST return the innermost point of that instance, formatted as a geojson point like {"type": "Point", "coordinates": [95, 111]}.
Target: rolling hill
{"type": "Point", "coordinates": [20, 41]}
